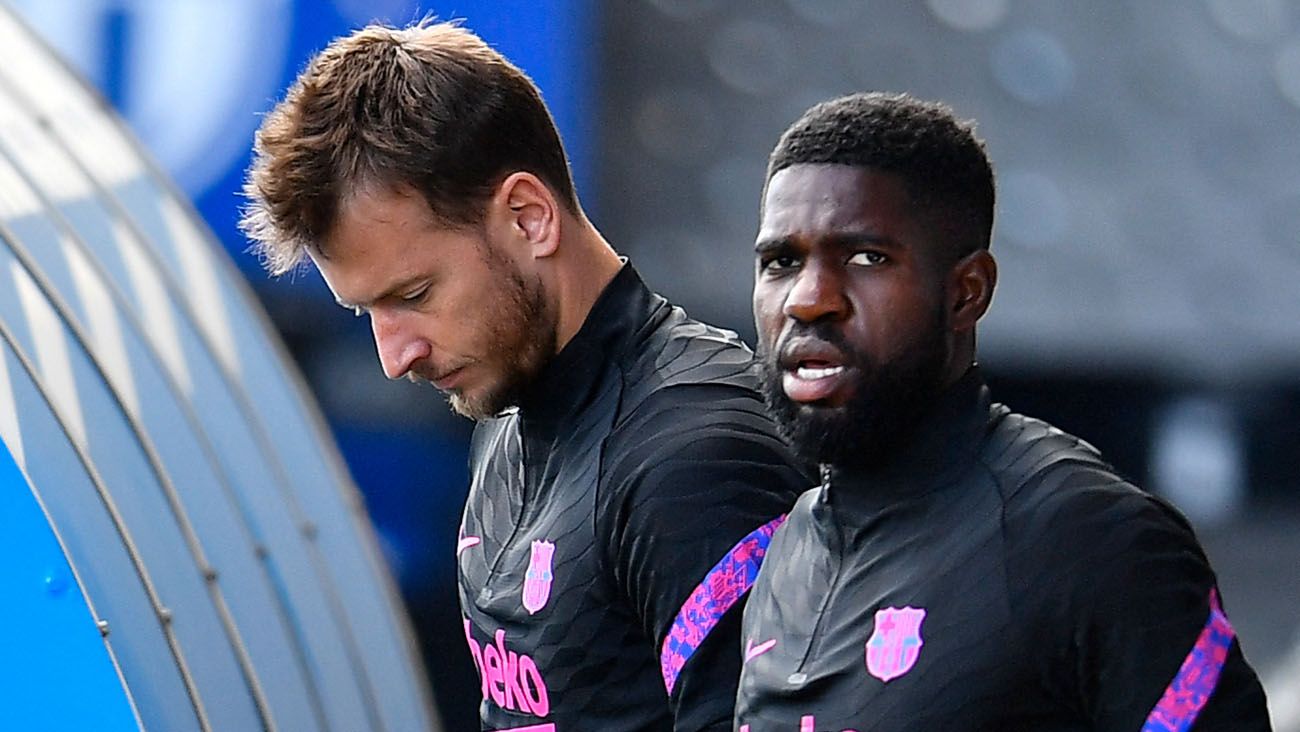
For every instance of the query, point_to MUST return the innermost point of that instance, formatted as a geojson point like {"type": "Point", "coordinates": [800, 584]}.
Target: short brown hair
{"type": "Point", "coordinates": [430, 106]}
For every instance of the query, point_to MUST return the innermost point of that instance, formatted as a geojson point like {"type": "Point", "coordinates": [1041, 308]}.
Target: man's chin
{"type": "Point", "coordinates": [814, 435]}
{"type": "Point", "coordinates": [859, 434]}
{"type": "Point", "coordinates": [470, 408]}
{"type": "Point", "coordinates": [477, 406]}
{"type": "Point", "coordinates": [821, 410]}
{"type": "Point", "coordinates": [485, 403]}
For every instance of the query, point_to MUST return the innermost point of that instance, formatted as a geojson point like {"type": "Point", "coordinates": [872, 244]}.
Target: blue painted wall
{"type": "Point", "coordinates": [52, 643]}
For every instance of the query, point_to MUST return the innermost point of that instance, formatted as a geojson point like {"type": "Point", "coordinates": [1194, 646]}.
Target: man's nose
{"type": "Point", "coordinates": [817, 293]}
{"type": "Point", "coordinates": [398, 346]}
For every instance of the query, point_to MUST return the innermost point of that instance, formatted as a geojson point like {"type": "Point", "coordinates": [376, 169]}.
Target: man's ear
{"type": "Point", "coordinates": [970, 289]}
{"type": "Point", "coordinates": [529, 213]}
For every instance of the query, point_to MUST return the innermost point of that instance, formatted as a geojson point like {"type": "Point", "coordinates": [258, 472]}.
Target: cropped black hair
{"type": "Point", "coordinates": [943, 165]}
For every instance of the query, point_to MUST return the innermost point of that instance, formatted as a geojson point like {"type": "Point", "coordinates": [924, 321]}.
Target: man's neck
{"type": "Point", "coordinates": [590, 264]}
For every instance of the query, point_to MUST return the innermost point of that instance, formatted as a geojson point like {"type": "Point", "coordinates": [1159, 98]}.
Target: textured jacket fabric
{"type": "Point", "coordinates": [615, 521]}
{"type": "Point", "coordinates": [995, 575]}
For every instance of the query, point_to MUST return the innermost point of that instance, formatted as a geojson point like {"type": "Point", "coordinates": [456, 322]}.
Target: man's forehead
{"type": "Point", "coordinates": [812, 198]}
{"type": "Point", "coordinates": [373, 244]}
{"type": "Point", "coordinates": [384, 204]}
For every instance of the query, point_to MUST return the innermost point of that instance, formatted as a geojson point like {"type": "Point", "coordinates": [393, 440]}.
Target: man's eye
{"type": "Point", "coordinates": [867, 259]}
{"type": "Point", "coordinates": [416, 296]}
{"type": "Point", "coordinates": [780, 262]}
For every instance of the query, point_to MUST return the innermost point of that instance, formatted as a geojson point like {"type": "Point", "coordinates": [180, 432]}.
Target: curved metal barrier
{"type": "Point", "coordinates": [211, 562]}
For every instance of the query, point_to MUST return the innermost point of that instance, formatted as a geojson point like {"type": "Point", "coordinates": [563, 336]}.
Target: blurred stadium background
{"type": "Point", "coordinates": [1148, 156]}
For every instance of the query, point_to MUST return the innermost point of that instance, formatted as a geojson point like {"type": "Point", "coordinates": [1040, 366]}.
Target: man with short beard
{"type": "Point", "coordinates": [960, 567]}
{"type": "Point", "coordinates": [625, 475]}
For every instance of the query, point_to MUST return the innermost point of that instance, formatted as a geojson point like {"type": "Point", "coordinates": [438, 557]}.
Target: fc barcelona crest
{"type": "Point", "coordinates": [537, 580]}
{"type": "Point", "coordinates": [895, 644]}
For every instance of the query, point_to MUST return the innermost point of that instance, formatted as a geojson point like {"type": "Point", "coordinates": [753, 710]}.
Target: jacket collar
{"type": "Point", "coordinates": [568, 381]}
{"type": "Point", "coordinates": [942, 446]}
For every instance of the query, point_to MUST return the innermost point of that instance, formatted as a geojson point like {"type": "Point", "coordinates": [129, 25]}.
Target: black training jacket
{"type": "Point", "coordinates": [995, 575]}
{"type": "Point", "coordinates": [614, 522]}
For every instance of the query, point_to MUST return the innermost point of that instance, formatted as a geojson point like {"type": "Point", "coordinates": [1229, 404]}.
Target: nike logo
{"type": "Point", "coordinates": [754, 651]}
{"type": "Point", "coordinates": [466, 542]}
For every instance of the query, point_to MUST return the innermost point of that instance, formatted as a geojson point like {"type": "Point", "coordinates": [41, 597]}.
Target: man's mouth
{"type": "Point", "coordinates": [448, 380]}
{"type": "Point", "coordinates": [813, 381]}
{"type": "Point", "coordinates": [445, 380]}
{"type": "Point", "coordinates": [812, 370]}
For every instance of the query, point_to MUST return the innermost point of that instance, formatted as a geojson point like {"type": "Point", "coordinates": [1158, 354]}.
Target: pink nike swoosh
{"type": "Point", "coordinates": [466, 542]}
{"type": "Point", "coordinates": [753, 651]}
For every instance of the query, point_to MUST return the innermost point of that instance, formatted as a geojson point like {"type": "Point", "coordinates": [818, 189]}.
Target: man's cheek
{"type": "Point", "coordinates": [767, 319]}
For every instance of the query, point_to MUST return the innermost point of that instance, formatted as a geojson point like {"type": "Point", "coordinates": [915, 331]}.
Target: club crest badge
{"type": "Point", "coordinates": [895, 644]}
{"type": "Point", "coordinates": [537, 580]}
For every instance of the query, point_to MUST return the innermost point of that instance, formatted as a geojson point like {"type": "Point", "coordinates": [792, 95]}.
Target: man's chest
{"type": "Point", "coordinates": [550, 635]}
{"type": "Point", "coordinates": [521, 584]}
{"type": "Point", "coordinates": [528, 570]}
{"type": "Point", "coordinates": [528, 549]}
{"type": "Point", "coordinates": [905, 625]}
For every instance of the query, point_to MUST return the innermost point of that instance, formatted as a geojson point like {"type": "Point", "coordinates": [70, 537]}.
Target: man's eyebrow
{"type": "Point", "coordinates": [395, 288]}
{"type": "Point", "coordinates": [844, 239]}
{"type": "Point", "coordinates": [763, 246]}
{"type": "Point", "coordinates": [858, 238]}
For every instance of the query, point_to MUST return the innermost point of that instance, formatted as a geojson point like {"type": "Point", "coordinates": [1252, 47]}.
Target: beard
{"type": "Point", "coordinates": [890, 399]}
{"type": "Point", "coordinates": [521, 337]}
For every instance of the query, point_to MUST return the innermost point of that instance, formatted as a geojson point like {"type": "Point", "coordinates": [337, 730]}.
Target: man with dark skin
{"type": "Point", "coordinates": [960, 567]}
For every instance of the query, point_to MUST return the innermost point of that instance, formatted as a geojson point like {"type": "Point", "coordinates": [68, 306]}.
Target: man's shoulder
{"type": "Point", "coordinates": [1022, 451]}
{"type": "Point", "coordinates": [1059, 491]}
{"type": "Point", "coordinates": [690, 412]}
{"type": "Point", "coordinates": [1039, 467]}
{"type": "Point", "coordinates": [719, 426]}
{"type": "Point", "coordinates": [674, 349]}
{"type": "Point", "coordinates": [702, 420]}
{"type": "Point", "coordinates": [680, 373]}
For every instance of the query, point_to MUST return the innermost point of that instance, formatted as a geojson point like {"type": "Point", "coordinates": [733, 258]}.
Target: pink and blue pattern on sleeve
{"type": "Point", "coordinates": [721, 588]}
{"type": "Point", "coordinates": [1197, 677]}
